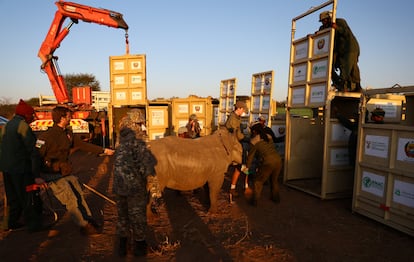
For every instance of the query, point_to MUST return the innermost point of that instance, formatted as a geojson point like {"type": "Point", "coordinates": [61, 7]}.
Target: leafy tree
{"type": "Point", "coordinates": [79, 80]}
{"type": "Point", "coordinates": [281, 104]}
{"type": "Point", "coordinates": [33, 101]}
{"type": "Point", "coordinates": [7, 110]}
{"type": "Point", "coordinates": [5, 101]}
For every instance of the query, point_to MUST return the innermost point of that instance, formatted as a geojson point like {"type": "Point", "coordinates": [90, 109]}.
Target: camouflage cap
{"type": "Point", "coordinates": [136, 116]}
{"type": "Point", "coordinates": [325, 15]}
{"type": "Point", "coordinates": [126, 122]}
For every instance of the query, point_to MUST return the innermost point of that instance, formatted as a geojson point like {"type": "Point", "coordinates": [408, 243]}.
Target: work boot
{"type": "Point", "coordinates": [122, 251]}
{"type": "Point", "coordinates": [234, 192]}
{"type": "Point", "coordinates": [140, 249]}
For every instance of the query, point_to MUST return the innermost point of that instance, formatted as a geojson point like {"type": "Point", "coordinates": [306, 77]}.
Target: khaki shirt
{"type": "Point", "coordinates": [233, 124]}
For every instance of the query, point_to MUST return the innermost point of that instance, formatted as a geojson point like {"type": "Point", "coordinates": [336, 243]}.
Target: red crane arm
{"type": "Point", "coordinates": [56, 34]}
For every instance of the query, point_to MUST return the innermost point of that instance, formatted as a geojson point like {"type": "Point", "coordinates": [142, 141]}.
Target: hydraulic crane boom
{"type": "Point", "coordinates": [56, 34]}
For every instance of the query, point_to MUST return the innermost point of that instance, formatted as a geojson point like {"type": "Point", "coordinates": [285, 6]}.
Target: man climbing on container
{"type": "Point", "coordinates": [345, 54]}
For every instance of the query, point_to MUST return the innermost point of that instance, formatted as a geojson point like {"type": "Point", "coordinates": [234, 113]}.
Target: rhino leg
{"type": "Point", "coordinates": [214, 187]}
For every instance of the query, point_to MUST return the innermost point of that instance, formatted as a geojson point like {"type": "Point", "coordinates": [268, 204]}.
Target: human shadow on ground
{"type": "Point", "coordinates": [197, 242]}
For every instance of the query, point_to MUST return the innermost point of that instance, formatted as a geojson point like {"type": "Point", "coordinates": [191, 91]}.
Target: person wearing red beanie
{"type": "Point", "coordinates": [25, 110]}
{"type": "Point", "coordinates": [20, 164]}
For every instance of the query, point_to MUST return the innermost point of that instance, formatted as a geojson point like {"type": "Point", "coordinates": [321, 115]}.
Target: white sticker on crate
{"type": "Point", "coordinates": [373, 183]}
{"type": "Point", "coordinates": [339, 157]}
{"type": "Point", "coordinates": [183, 108]}
{"type": "Point", "coordinates": [231, 104]}
{"type": "Point", "coordinates": [136, 95]}
{"type": "Point", "coordinates": [377, 146]}
{"type": "Point", "coordinates": [403, 193]}
{"type": "Point", "coordinates": [136, 79]}
{"type": "Point", "coordinates": [119, 80]}
{"type": "Point", "coordinates": [301, 50]}
{"type": "Point", "coordinates": [119, 65]}
{"type": "Point", "coordinates": [120, 95]}
{"type": "Point", "coordinates": [405, 151]}
{"type": "Point", "coordinates": [340, 133]}
{"type": "Point", "coordinates": [157, 117]}
{"type": "Point", "coordinates": [258, 85]}
{"type": "Point", "coordinates": [298, 95]}
{"type": "Point", "coordinates": [265, 103]}
{"type": "Point", "coordinates": [317, 94]}
{"type": "Point", "coordinates": [299, 73]}
{"type": "Point", "coordinates": [256, 103]}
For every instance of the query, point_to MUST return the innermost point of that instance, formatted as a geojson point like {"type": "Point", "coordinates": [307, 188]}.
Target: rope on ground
{"type": "Point", "coordinates": [246, 233]}
{"type": "Point", "coordinates": [96, 192]}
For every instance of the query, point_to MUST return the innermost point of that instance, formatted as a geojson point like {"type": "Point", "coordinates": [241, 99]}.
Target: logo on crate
{"type": "Point", "coordinates": [136, 65]}
{"type": "Point", "coordinates": [197, 109]}
{"type": "Point", "coordinates": [319, 69]}
{"type": "Point", "coordinates": [321, 43]}
{"type": "Point", "coordinates": [369, 183]}
{"type": "Point", "coordinates": [409, 149]}
{"type": "Point", "coordinates": [403, 193]}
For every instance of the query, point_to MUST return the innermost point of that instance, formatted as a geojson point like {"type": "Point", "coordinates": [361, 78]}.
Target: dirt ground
{"type": "Point", "coordinates": [300, 228]}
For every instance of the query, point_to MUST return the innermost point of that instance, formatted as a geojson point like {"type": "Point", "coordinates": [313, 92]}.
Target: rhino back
{"type": "Point", "coordinates": [187, 164]}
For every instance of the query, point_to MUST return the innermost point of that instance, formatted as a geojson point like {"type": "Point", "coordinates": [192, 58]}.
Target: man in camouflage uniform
{"type": "Point", "coordinates": [134, 163]}
{"type": "Point", "coordinates": [193, 127]}
{"type": "Point", "coordinates": [345, 54]}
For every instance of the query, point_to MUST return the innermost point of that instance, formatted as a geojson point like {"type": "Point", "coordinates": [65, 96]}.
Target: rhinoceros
{"type": "Point", "coordinates": [187, 164]}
